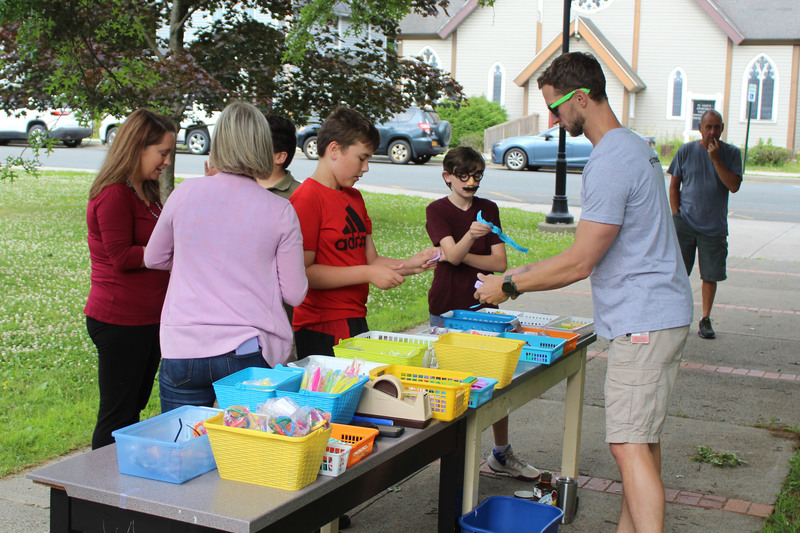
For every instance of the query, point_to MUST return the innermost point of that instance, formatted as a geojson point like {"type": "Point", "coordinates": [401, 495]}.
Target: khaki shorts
{"type": "Point", "coordinates": [639, 384]}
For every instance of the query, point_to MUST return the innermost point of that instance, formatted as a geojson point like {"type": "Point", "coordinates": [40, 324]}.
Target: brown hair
{"type": "Point", "coordinates": [346, 127]}
{"type": "Point", "coordinates": [463, 160]}
{"type": "Point", "coordinates": [575, 70]}
{"type": "Point", "coordinates": [141, 129]}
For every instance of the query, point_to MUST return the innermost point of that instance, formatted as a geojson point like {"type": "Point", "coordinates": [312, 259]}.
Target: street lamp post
{"type": "Point", "coordinates": [559, 213]}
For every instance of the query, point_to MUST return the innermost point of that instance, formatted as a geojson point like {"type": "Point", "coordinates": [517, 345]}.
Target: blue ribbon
{"type": "Point", "coordinates": [503, 237]}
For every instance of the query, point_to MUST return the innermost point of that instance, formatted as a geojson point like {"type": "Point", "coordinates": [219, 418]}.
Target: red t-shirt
{"type": "Point", "coordinates": [453, 286]}
{"type": "Point", "coordinates": [335, 226]}
{"type": "Point", "coordinates": [123, 292]}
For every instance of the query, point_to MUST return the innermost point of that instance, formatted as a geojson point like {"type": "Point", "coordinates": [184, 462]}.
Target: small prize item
{"type": "Point", "coordinates": [435, 258]}
{"type": "Point", "coordinates": [503, 237]}
{"type": "Point", "coordinates": [283, 416]}
{"type": "Point", "coordinates": [317, 378]}
{"type": "Point", "coordinates": [236, 416]}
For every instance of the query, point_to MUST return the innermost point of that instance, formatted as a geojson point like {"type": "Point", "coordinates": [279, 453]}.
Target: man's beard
{"type": "Point", "coordinates": [575, 128]}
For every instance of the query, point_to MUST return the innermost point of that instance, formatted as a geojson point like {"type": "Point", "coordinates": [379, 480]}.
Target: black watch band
{"type": "Point", "coordinates": [509, 287]}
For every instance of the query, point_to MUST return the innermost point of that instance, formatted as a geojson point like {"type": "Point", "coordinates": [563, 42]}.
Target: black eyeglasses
{"type": "Point", "coordinates": [554, 105]}
{"type": "Point", "coordinates": [477, 176]}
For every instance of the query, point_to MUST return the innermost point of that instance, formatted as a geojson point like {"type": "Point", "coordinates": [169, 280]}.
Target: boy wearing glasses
{"type": "Point", "coordinates": [468, 248]}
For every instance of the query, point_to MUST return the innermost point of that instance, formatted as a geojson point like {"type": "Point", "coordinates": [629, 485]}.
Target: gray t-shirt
{"type": "Point", "coordinates": [704, 198]}
{"type": "Point", "coordinates": [640, 284]}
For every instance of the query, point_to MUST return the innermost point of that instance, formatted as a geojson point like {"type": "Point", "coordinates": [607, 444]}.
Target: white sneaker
{"type": "Point", "coordinates": [509, 463]}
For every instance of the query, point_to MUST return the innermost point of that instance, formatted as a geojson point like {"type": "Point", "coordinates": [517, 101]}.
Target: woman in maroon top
{"type": "Point", "coordinates": [125, 299]}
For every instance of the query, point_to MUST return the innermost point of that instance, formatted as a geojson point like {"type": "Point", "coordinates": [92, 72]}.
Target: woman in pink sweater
{"type": "Point", "coordinates": [236, 255]}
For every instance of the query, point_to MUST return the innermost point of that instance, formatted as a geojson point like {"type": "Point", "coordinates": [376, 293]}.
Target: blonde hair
{"type": "Point", "coordinates": [141, 129]}
{"type": "Point", "coordinates": [242, 142]}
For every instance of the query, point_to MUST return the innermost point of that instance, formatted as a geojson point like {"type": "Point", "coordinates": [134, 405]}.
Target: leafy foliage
{"type": "Point", "coordinates": [765, 154]}
{"type": "Point", "coordinates": [108, 56]}
{"type": "Point", "coordinates": [474, 117]}
{"type": "Point", "coordinates": [704, 454]}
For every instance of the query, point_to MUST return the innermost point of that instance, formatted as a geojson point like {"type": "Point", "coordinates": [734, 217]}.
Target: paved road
{"type": "Point", "coordinates": [760, 199]}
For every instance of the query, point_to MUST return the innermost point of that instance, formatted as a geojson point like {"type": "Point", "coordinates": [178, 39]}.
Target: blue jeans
{"type": "Point", "coordinates": [190, 381]}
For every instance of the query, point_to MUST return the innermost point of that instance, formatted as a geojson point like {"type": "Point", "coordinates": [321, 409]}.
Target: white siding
{"type": "Point", "coordinates": [504, 34]}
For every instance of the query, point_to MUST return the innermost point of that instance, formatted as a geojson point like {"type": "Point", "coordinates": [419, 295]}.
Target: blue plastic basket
{"type": "Point", "coordinates": [503, 514]}
{"type": "Point", "coordinates": [165, 447]}
{"type": "Point", "coordinates": [462, 320]}
{"type": "Point", "coordinates": [231, 390]}
{"type": "Point", "coordinates": [341, 406]}
{"type": "Point", "coordinates": [538, 348]}
{"type": "Point", "coordinates": [484, 394]}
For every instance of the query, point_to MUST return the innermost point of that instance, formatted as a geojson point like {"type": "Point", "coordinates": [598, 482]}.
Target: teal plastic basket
{"type": "Point", "coordinates": [538, 348]}
{"type": "Point", "coordinates": [341, 406]}
{"type": "Point", "coordinates": [461, 319]}
{"type": "Point", "coordinates": [231, 390]}
{"type": "Point", "coordinates": [484, 394]}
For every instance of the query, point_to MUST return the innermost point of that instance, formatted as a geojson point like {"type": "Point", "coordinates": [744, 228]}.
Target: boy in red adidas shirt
{"type": "Point", "coordinates": [340, 256]}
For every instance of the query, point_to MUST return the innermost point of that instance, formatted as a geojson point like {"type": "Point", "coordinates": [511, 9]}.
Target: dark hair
{"type": "Point", "coordinates": [346, 127]}
{"type": "Point", "coordinates": [463, 160]}
{"type": "Point", "coordinates": [284, 137]}
{"type": "Point", "coordinates": [141, 129]}
{"type": "Point", "coordinates": [575, 70]}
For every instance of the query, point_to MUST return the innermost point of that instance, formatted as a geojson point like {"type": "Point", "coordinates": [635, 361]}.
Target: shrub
{"type": "Point", "coordinates": [474, 117]}
{"type": "Point", "coordinates": [473, 140]}
{"type": "Point", "coordinates": [767, 155]}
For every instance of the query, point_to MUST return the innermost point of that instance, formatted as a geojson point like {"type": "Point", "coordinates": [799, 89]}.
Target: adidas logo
{"type": "Point", "coordinates": [356, 229]}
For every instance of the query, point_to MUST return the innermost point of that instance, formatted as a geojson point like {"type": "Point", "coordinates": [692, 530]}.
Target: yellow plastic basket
{"type": "Point", "coordinates": [267, 459]}
{"type": "Point", "coordinates": [488, 357]}
{"type": "Point", "coordinates": [381, 351]}
{"type": "Point", "coordinates": [447, 392]}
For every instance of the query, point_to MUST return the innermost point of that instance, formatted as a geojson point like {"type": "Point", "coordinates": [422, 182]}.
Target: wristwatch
{"type": "Point", "coordinates": [510, 288]}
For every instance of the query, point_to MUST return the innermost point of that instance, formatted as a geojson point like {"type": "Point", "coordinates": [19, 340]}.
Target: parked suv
{"type": "Point", "coordinates": [412, 135]}
{"type": "Point", "coordinates": [60, 124]}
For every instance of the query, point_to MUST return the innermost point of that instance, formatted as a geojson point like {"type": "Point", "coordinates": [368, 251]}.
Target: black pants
{"type": "Point", "coordinates": [310, 342]}
{"type": "Point", "coordinates": [127, 363]}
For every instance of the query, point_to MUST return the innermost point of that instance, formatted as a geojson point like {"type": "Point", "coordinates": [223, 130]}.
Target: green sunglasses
{"type": "Point", "coordinates": [554, 105]}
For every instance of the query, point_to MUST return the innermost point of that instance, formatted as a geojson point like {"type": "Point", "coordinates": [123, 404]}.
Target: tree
{"type": "Point", "coordinates": [107, 56]}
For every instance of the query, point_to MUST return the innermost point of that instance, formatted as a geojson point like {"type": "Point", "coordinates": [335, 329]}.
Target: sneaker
{"type": "Point", "coordinates": [706, 331]}
{"type": "Point", "coordinates": [508, 463]}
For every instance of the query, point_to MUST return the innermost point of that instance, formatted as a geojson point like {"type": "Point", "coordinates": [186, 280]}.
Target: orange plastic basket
{"type": "Point", "coordinates": [488, 357]}
{"type": "Point", "coordinates": [360, 440]}
{"type": "Point", "coordinates": [267, 459]}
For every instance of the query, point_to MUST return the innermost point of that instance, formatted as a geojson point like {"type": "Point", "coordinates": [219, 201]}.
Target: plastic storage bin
{"type": "Point", "coordinates": [573, 324]}
{"type": "Point", "coordinates": [231, 390]}
{"type": "Point", "coordinates": [267, 459]}
{"type": "Point", "coordinates": [427, 340]}
{"type": "Point", "coordinates": [532, 320]}
{"type": "Point", "coordinates": [489, 357]}
{"type": "Point", "coordinates": [538, 348]}
{"type": "Point", "coordinates": [381, 351]}
{"type": "Point", "coordinates": [341, 406]}
{"type": "Point", "coordinates": [571, 338]}
{"type": "Point", "coordinates": [165, 447]}
{"type": "Point", "coordinates": [334, 460]}
{"type": "Point", "coordinates": [332, 363]}
{"type": "Point", "coordinates": [462, 319]}
{"type": "Point", "coordinates": [504, 514]}
{"type": "Point", "coordinates": [448, 393]}
{"type": "Point", "coordinates": [481, 395]}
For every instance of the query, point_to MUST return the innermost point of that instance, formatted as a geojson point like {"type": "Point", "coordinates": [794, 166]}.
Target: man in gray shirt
{"type": "Point", "coordinates": [626, 244]}
{"type": "Point", "coordinates": [703, 173]}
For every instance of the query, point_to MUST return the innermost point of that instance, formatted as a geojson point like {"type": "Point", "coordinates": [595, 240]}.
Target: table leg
{"type": "Point", "coordinates": [573, 415]}
{"type": "Point", "coordinates": [330, 527]}
{"type": "Point", "coordinates": [472, 462]}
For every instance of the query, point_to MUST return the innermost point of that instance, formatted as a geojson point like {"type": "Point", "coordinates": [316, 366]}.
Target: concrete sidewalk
{"type": "Point", "coordinates": [729, 392]}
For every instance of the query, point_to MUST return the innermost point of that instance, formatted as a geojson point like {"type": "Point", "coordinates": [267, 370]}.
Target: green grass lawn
{"type": "Point", "coordinates": [49, 397]}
